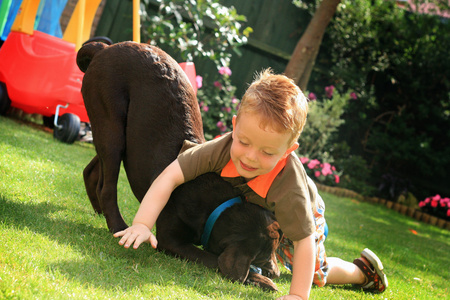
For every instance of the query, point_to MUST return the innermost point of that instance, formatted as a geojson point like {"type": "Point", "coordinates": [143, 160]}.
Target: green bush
{"type": "Point", "coordinates": [324, 119]}
{"type": "Point", "coordinates": [397, 62]}
{"type": "Point", "coordinates": [195, 29]}
{"type": "Point", "coordinates": [205, 32]}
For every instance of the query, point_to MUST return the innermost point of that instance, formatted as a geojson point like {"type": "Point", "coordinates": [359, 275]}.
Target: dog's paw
{"type": "Point", "coordinates": [261, 281]}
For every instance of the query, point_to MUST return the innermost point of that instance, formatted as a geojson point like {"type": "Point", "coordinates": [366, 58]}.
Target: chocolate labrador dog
{"type": "Point", "coordinates": [142, 107]}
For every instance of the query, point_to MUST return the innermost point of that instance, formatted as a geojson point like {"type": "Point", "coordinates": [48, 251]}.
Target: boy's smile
{"type": "Point", "coordinates": [255, 150]}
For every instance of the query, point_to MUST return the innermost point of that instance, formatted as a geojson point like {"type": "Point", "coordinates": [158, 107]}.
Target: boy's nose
{"type": "Point", "coordinates": [251, 155]}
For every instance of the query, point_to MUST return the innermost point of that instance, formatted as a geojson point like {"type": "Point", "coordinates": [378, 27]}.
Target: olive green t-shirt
{"type": "Point", "coordinates": [290, 195]}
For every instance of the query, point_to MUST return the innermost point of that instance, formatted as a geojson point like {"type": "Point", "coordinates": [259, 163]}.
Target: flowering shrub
{"type": "Point", "coordinates": [194, 29]}
{"type": "Point", "coordinates": [325, 116]}
{"type": "Point", "coordinates": [217, 104]}
{"type": "Point", "coordinates": [323, 172]}
{"type": "Point", "coordinates": [436, 206]}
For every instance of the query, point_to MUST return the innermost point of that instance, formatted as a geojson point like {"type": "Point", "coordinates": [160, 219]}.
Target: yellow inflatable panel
{"type": "Point", "coordinates": [79, 28]}
{"type": "Point", "coordinates": [136, 22]}
{"type": "Point", "coordinates": [26, 16]}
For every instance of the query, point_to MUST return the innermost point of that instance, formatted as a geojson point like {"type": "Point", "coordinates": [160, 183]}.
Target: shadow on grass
{"type": "Point", "coordinates": [107, 265]}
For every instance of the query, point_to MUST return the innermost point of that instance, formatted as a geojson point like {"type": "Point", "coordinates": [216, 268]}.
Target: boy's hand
{"type": "Point", "coordinates": [137, 234]}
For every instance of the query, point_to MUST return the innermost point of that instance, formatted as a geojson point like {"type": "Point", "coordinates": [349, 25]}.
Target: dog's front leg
{"type": "Point", "coordinates": [185, 250]}
{"type": "Point", "coordinates": [261, 281]}
{"type": "Point", "coordinates": [107, 193]}
{"type": "Point", "coordinates": [109, 139]}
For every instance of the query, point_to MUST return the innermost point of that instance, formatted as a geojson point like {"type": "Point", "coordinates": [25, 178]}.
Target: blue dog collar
{"type": "Point", "coordinates": [213, 218]}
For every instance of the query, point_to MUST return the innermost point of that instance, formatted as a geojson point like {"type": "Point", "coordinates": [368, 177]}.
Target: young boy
{"type": "Point", "coordinates": [258, 157]}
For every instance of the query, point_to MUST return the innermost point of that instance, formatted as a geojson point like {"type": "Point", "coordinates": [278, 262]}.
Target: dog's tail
{"type": "Point", "coordinates": [87, 53]}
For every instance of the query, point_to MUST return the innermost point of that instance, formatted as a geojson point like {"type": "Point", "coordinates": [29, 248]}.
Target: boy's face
{"type": "Point", "coordinates": [256, 151]}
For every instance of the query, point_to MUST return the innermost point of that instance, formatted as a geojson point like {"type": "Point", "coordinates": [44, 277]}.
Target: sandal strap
{"type": "Point", "coordinates": [372, 280]}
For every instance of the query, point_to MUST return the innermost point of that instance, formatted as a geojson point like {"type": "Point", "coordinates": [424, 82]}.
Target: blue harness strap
{"type": "Point", "coordinates": [213, 218]}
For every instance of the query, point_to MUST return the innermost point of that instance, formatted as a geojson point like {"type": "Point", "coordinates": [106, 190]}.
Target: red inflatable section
{"type": "Point", "coordinates": [40, 72]}
{"type": "Point", "coordinates": [189, 69]}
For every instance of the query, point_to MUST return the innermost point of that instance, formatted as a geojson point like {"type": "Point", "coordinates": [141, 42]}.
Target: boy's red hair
{"type": "Point", "coordinates": [278, 101]}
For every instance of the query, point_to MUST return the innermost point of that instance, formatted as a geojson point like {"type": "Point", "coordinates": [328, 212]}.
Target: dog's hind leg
{"type": "Point", "coordinates": [91, 175]}
{"type": "Point", "coordinates": [110, 159]}
{"type": "Point", "coordinates": [108, 130]}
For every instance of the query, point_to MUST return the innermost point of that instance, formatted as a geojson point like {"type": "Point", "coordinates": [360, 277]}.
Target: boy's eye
{"type": "Point", "coordinates": [268, 154]}
{"type": "Point", "coordinates": [242, 143]}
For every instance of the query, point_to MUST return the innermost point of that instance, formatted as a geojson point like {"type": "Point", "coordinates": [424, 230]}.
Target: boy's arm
{"type": "Point", "coordinates": [302, 269]}
{"type": "Point", "coordinates": [151, 206]}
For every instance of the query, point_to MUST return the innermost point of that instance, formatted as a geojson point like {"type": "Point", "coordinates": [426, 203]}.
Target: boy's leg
{"type": "Point", "coordinates": [343, 272]}
{"type": "Point", "coordinates": [365, 272]}
{"type": "Point", "coordinates": [285, 251]}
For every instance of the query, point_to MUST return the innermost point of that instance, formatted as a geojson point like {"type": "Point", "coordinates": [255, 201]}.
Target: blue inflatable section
{"type": "Point", "coordinates": [47, 17]}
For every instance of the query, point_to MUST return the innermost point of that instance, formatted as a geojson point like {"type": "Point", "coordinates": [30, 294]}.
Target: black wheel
{"type": "Point", "coordinates": [5, 102]}
{"type": "Point", "coordinates": [49, 121]}
{"type": "Point", "coordinates": [69, 128]}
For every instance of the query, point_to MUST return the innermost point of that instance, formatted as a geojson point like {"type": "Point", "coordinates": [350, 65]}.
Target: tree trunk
{"type": "Point", "coordinates": [303, 58]}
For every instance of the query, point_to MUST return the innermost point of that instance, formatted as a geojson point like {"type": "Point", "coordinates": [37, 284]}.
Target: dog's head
{"type": "Point", "coordinates": [244, 235]}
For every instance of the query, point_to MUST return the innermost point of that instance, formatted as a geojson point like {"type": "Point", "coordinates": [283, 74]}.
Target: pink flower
{"type": "Point", "coordinates": [312, 96]}
{"type": "Point", "coordinates": [436, 198]}
{"type": "Point", "coordinates": [336, 178]}
{"type": "Point", "coordinates": [329, 91]}
{"type": "Point", "coordinates": [199, 80]}
{"type": "Point", "coordinates": [218, 85]}
{"type": "Point", "coordinates": [205, 108]}
{"type": "Point", "coordinates": [434, 203]}
{"type": "Point", "coordinates": [225, 71]}
{"type": "Point", "coordinates": [222, 127]}
{"type": "Point", "coordinates": [234, 100]}
{"type": "Point", "coordinates": [304, 160]}
{"type": "Point", "coordinates": [313, 163]}
{"type": "Point", "coordinates": [448, 213]}
{"type": "Point", "coordinates": [317, 173]}
{"type": "Point", "coordinates": [326, 169]}
{"type": "Point", "coordinates": [422, 203]}
{"type": "Point", "coordinates": [353, 96]}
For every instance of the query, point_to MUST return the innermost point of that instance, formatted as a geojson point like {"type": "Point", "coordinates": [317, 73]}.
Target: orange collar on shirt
{"type": "Point", "coordinates": [259, 184]}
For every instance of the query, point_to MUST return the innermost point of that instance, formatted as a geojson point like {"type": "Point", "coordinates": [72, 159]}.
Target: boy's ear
{"type": "Point", "coordinates": [292, 148]}
{"type": "Point", "coordinates": [233, 121]}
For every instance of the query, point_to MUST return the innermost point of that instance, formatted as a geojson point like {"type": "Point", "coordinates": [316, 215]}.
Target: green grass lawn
{"type": "Point", "coordinates": [53, 246]}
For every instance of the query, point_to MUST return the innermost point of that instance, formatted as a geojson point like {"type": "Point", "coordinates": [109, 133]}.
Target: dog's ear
{"type": "Point", "coordinates": [234, 264]}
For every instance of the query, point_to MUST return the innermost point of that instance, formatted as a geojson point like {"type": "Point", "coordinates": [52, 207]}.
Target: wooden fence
{"type": "Point", "coordinates": [277, 26]}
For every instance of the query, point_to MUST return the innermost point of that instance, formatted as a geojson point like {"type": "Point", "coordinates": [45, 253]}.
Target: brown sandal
{"type": "Point", "coordinates": [372, 268]}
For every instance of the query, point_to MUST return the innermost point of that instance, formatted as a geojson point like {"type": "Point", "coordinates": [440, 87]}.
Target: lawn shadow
{"type": "Point", "coordinates": [105, 264]}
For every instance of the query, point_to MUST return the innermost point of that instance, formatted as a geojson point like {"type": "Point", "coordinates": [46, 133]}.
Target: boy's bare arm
{"type": "Point", "coordinates": [151, 206]}
{"type": "Point", "coordinates": [302, 269]}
